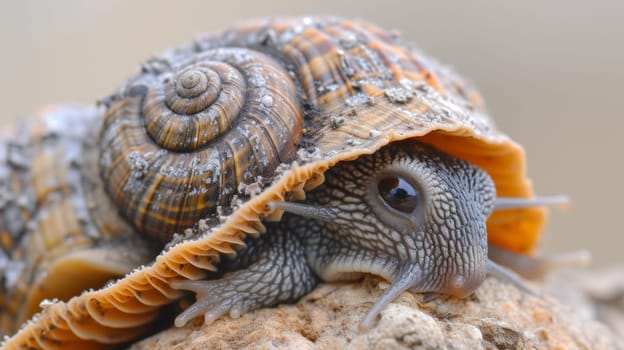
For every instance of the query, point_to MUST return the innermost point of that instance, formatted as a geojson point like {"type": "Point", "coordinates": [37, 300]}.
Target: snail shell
{"type": "Point", "coordinates": [182, 138]}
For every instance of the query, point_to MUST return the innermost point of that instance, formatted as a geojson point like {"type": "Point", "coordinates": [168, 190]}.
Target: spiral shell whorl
{"type": "Point", "coordinates": [178, 143]}
{"type": "Point", "coordinates": [190, 108]}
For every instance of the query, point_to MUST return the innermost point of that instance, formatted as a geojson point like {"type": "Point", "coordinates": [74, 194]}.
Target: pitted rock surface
{"type": "Point", "coordinates": [497, 316]}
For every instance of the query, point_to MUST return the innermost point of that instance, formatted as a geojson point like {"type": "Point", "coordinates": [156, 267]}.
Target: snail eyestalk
{"type": "Point", "coordinates": [406, 279]}
{"type": "Point", "coordinates": [561, 202]}
{"type": "Point", "coordinates": [529, 266]}
{"type": "Point", "coordinates": [502, 273]}
{"type": "Point", "coordinates": [305, 210]}
{"type": "Point", "coordinates": [537, 267]}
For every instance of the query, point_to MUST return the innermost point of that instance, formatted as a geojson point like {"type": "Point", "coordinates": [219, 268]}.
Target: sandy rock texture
{"type": "Point", "coordinates": [597, 294]}
{"type": "Point", "coordinates": [497, 316]}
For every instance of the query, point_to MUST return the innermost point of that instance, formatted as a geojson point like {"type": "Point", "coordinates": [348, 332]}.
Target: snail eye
{"type": "Point", "coordinates": [399, 194]}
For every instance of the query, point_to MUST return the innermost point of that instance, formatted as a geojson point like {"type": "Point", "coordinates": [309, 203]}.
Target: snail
{"type": "Point", "coordinates": [248, 166]}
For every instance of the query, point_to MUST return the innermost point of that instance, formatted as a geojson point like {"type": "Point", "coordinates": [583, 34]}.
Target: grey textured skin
{"type": "Point", "coordinates": [441, 246]}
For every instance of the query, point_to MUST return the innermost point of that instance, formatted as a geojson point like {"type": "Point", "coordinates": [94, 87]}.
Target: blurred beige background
{"type": "Point", "coordinates": [552, 73]}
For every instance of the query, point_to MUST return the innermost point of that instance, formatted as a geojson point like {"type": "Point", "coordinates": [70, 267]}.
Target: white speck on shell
{"type": "Point", "coordinates": [45, 303]}
{"type": "Point", "coordinates": [138, 164]}
{"type": "Point", "coordinates": [348, 41]}
{"type": "Point", "coordinates": [353, 142]}
{"type": "Point", "coordinates": [308, 154]}
{"type": "Point", "coordinates": [267, 101]}
{"type": "Point", "coordinates": [257, 80]}
{"type": "Point", "coordinates": [357, 99]}
{"type": "Point", "coordinates": [398, 95]}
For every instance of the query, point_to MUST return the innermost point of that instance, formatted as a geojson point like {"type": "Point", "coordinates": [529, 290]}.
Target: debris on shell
{"type": "Point", "coordinates": [308, 154]}
{"type": "Point", "coordinates": [374, 133]}
{"type": "Point", "coordinates": [398, 95]}
{"type": "Point", "coordinates": [250, 190]}
{"type": "Point", "coordinates": [352, 142]}
{"type": "Point", "coordinates": [267, 101]}
{"type": "Point", "coordinates": [335, 122]}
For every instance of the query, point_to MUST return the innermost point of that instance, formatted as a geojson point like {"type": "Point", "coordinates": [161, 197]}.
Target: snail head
{"type": "Point", "coordinates": [423, 211]}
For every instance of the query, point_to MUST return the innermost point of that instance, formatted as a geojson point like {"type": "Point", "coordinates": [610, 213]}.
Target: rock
{"type": "Point", "coordinates": [401, 327]}
{"type": "Point", "coordinates": [596, 294]}
{"type": "Point", "coordinates": [496, 316]}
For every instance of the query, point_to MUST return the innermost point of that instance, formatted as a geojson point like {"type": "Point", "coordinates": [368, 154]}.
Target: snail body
{"type": "Point", "coordinates": [318, 147]}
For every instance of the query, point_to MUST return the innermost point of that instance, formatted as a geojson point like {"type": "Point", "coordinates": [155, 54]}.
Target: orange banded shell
{"type": "Point", "coordinates": [184, 136]}
{"type": "Point", "coordinates": [350, 87]}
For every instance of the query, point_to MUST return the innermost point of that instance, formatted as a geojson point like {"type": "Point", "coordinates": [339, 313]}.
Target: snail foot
{"type": "Point", "coordinates": [270, 269]}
